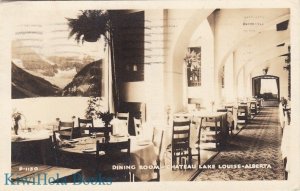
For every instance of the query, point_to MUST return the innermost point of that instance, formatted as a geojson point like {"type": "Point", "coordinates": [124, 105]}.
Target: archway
{"type": "Point", "coordinates": [266, 87]}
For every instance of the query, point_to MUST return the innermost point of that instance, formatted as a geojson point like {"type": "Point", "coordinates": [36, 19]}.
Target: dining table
{"type": "Point", "coordinates": [142, 154]}
{"type": "Point", "coordinates": [30, 146]}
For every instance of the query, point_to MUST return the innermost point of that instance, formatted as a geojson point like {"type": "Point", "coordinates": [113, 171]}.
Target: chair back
{"type": "Point", "coordinates": [196, 123]}
{"type": "Point", "coordinates": [181, 118]}
{"type": "Point", "coordinates": [66, 129]}
{"type": "Point", "coordinates": [181, 150]}
{"type": "Point", "coordinates": [229, 108]}
{"type": "Point", "coordinates": [123, 116]}
{"type": "Point", "coordinates": [181, 133]}
{"type": "Point", "coordinates": [137, 126]}
{"type": "Point", "coordinates": [157, 140]}
{"type": "Point", "coordinates": [112, 147]}
{"type": "Point", "coordinates": [86, 124]}
{"type": "Point", "coordinates": [116, 153]}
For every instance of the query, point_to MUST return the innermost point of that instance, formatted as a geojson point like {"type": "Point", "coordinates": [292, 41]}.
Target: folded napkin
{"type": "Point", "coordinates": [119, 127]}
{"type": "Point", "coordinates": [66, 144]}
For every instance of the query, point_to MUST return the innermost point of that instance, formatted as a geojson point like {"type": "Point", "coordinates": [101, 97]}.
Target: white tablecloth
{"type": "Point", "coordinates": [143, 156]}
{"type": "Point", "coordinates": [285, 144]}
{"type": "Point", "coordinates": [31, 136]}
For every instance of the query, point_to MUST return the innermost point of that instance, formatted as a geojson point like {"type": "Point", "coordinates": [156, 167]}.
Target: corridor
{"type": "Point", "coordinates": [257, 143]}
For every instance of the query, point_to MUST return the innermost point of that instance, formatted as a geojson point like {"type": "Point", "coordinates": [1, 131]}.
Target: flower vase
{"type": "Point", "coordinates": [106, 132]}
{"type": "Point", "coordinates": [16, 127]}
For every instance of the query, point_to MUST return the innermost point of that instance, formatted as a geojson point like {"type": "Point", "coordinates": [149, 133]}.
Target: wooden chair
{"type": "Point", "coordinates": [197, 123]}
{"type": "Point", "coordinates": [242, 114]}
{"type": "Point", "coordinates": [55, 148]}
{"type": "Point", "coordinates": [116, 153]}
{"type": "Point", "coordinates": [253, 108]}
{"type": "Point", "coordinates": [212, 133]}
{"type": "Point", "coordinates": [229, 108]}
{"type": "Point", "coordinates": [228, 125]}
{"type": "Point", "coordinates": [181, 142]}
{"type": "Point", "coordinates": [66, 129]}
{"type": "Point", "coordinates": [137, 126]}
{"type": "Point", "coordinates": [86, 124]}
{"type": "Point", "coordinates": [157, 140]}
{"type": "Point", "coordinates": [124, 117]}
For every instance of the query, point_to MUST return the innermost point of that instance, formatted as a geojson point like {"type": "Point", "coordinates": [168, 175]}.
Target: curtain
{"type": "Point", "coordinates": [277, 83]}
{"type": "Point", "coordinates": [114, 81]}
{"type": "Point", "coordinates": [111, 90]}
{"type": "Point", "coordinates": [257, 86]}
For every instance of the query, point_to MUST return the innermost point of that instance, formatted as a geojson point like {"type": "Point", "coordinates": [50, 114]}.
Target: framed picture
{"type": "Point", "coordinates": [193, 61]}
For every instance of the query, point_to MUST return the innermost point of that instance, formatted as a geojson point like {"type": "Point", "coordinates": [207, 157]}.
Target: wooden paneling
{"type": "Point", "coordinates": [129, 47]}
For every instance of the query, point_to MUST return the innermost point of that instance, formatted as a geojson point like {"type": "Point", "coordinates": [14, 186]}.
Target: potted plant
{"type": "Point", "coordinates": [106, 117]}
{"type": "Point", "coordinates": [90, 25]}
{"type": "Point", "coordinates": [93, 108]}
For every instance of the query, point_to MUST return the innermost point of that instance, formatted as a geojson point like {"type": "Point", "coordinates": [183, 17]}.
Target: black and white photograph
{"type": "Point", "coordinates": [102, 95]}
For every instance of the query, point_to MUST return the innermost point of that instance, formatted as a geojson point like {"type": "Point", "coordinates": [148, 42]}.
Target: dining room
{"type": "Point", "coordinates": [150, 95]}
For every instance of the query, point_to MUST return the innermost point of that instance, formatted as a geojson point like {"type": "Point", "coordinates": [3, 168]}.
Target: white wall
{"type": "Point", "coordinates": [47, 109]}
{"type": "Point", "coordinates": [203, 38]}
{"type": "Point", "coordinates": [182, 24]}
{"type": "Point", "coordinates": [228, 91]}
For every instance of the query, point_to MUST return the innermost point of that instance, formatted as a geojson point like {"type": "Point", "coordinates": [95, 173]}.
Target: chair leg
{"type": "Point", "coordinates": [190, 156]}
{"type": "Point", "coordinates": [198, 155]}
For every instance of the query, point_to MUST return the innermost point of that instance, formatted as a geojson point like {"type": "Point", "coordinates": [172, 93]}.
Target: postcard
{"type": "Point", "coordinates": [151, 95]}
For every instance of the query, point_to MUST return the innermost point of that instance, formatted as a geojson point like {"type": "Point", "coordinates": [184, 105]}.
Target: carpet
{"type": "Point", "coordinates": [259, 144]}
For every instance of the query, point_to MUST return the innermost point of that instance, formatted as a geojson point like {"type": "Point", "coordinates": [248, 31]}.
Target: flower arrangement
{"type": "Point", "coordinates": [106, 117]}
{"type": "Point", "coordinates": [193, 59]}
{"type": "Point", "coordinates": [96, 110]}
{"type": "Point", "coordinates": [16, 116]}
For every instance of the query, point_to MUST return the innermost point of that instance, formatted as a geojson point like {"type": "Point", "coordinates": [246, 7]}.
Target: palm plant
{"type": "Point", "coordinates": [92, 25]}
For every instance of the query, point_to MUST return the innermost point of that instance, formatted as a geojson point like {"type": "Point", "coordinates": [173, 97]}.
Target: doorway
{"type": "Point", "coordinates": [266, 87]}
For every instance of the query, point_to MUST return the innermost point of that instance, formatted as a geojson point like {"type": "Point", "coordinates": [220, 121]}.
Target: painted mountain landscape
{"type": "Point", "coordinates": [47, 63]}
{"type": "Point", "coordinates": [34, 75]}
{"type": "Point", "coordinates": [87, 82]}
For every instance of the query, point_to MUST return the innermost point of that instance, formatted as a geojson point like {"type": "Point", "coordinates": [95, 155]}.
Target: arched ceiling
{"type": "Point", "coordinates": [234, 27]}
{"type": "Point", "coordinates": [261, 48]}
